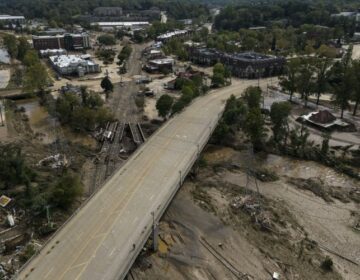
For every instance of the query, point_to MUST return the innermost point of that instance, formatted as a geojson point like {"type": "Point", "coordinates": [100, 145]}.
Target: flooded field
{"type": "Point", "coordinates": [47, 127]}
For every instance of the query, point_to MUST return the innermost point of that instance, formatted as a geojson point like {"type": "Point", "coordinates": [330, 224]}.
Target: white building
{"type": "Point", "coordinates": [170, 35]}
{"type": "Point", "coordinates": [122, 25]}
{"type": "Point", "coordinates": [74, 64]}
{"type": "Point", "coordinates": [11, 19]}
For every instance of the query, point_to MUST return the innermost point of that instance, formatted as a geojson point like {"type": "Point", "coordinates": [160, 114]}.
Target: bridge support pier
{"type": "Point", "coordinates": [155, 233]}
{"type": "Point", "coordinates": [155, 237]}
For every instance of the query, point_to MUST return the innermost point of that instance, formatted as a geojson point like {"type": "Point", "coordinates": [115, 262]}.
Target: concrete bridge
{"type": "Point", "coordinates": [104, 237]}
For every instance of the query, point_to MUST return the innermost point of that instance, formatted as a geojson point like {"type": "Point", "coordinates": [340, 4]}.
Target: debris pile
{"type": "Point", "coordinates": [252, 207]}
{"type": "Point", "coordinates": [4, 200]}
{"type": "Point", "coordinates": [55, 161]}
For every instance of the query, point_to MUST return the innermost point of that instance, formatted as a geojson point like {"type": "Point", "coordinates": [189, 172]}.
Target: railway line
{"type": "Point", "coordinates": [123, 106]}
{"type": "Point", "coordinates": [137, 133]}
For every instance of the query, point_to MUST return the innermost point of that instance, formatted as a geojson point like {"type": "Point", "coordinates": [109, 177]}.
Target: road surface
{"type": "Point", "coordinates": [103, 238]}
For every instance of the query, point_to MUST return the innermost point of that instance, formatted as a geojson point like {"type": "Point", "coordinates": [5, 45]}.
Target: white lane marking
{"type": "Point", "coordinates": [112, 252]}
{"type": "Point", "coordinates": [135, 220]}
{"type": "Point", "coordinates": [47, 274]}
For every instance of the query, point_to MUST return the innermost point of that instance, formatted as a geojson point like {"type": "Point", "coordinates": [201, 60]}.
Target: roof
{"type": "Point", "coordinates": [52, 51]}
{"type": "Point", "coordinates": [120, 23]}
{"type": "Point", "coordinates": [162, 61]}
{"type": "Point", "coordinates": [63, 61]}
{"type": "Point", "coordinates": [60, 35]}
{"type": "Point", "coordinates": [323, 117]}
{"type": "Point", "coordinates": [8, 17]}
{"type": "Point", "coordinates": [172, 34]}
{"type": "Point", "coordinates": [4, 200]}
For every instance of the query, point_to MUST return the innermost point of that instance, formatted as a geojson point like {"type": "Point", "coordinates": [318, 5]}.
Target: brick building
{"type": "Point", "coordinates": [248, 65]}
{"type": "Point", "coordinates": [69, 42]}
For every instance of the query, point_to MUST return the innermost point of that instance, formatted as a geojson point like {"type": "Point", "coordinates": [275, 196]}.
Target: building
{"type": "Point", "coordinates": [351, 15]}
{"type": "Point", "coordinates": [74, 65]}
{"type": "Point", "coordinates": [7, 19]}
{"type": "Point", "coordinates": [69, 42]}
{"type": "Point", "coordinates": [323, 119]}
{"type": "Point", "coordinates": [174, 34]}
{"type": "Point", "coordinates": [153, 13]}
{"type": "Point", "coordinates": [108, 12]}
{"type": "Point", "coordinates": [152, 53]}
{"type": "Point", "coordinates": [52, 52]}
{"type": "Point", "coordinates": [186, 21]}
{"type": "Point", "coordinates": [69, 88]}
{"type": "Point", "coordinates": [248, 65]}
{"type": "Point", "coordinates": [115, 14]}
{"type": "Point", "coordinates": [53, 31]}
{"type": "Point", "coordinates": [113, 25]}
{"type": "Point", "coordinates": [160, 65]}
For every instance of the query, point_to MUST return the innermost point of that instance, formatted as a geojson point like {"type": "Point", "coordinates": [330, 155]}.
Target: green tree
{"type": "Point", "coordinates": [289, 80]}
{"type": "Point", "coordinates": [279, 114]}
{"type": "Point", "coordinates": [321, 82]}
{"type": "Point", "coordinates": [107, 40]}
{"type": "Point", "coordinates": [253, 97]}
{"type": "Point", "coordinates": [178, 106]}
{"type": "Point", "coordinates": [66, 190]}
{"type": "Point", "coordinates": [235, 111]}
{"type": "Point", "coordinates": [218, 78]}
{"type": "Point", "coordinates": [124, 54]}
{"type": "Point", "coordinates": [13, 169]}
{"type": "Point", "coordinates": [91, 100]}
{"type": "Point", "coordinates": [66, 104]}
{"type": "Point", "coordinates": [326, 51]}
{"type": "Point", "coordinates": [299, 139]}
{"type": "Point", "coordinates": [342, 81]}
{"type": "Point", "coordinates": [254, 128]}
{"type": "Point", "coordinates": [83, 119]}
{"type": "Point", "coordinates": [106, 84]}
{"type": "Point", "coordinates": [187, 90]}
{"type": "Point", "coordinates": [31, 58]}
{"type": "Point", "coordinates": [164, 104]}
{"type": "Point", "coordinates": [103, 115]}
{"type": "Point", "coordinates": [10, 43]}
{"type": "Point", "coordinates": [305, 79]}
{"type": "Point", "coordinates": [221, 132]}
{"type": "Point", "coordinates": [36, 78]}
{"type": "Point", "coordinates": [23, 48]}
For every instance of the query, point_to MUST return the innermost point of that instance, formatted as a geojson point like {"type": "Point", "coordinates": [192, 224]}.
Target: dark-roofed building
{"type": "Point", "coordinates": [248, 65]}
{"type": "Point", "coordinates": [322, 117]}
{"type": "Point", "coordinates": [114, 14]}
{"type": "Point", "coordinates": [108, 12]}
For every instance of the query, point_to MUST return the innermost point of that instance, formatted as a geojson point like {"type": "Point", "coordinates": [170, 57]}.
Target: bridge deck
{"type": "Point", "coordinates": [97, 243]}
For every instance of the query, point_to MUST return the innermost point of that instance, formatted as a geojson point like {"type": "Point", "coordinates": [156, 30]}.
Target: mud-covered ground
{"type": "Point", "coordinates": [297, 214]}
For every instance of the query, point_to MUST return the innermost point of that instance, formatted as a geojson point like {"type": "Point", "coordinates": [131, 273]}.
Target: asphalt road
{"type": "Point", "coordinates": [97, 242]}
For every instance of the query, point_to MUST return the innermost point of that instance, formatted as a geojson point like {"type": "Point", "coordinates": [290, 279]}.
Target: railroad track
{"type": "Point", "coordinates": [124, 109]}
{"type": "Point", "coordinates": [137, 133]}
